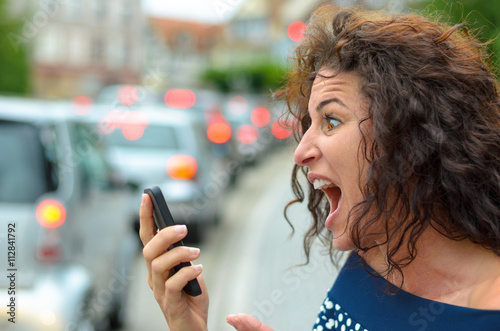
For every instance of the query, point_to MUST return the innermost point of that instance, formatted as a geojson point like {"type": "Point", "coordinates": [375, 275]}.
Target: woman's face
{"type": "Point", "coordinates": [330, 148]}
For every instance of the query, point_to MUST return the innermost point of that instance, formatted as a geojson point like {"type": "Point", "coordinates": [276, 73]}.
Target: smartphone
{"type": "Point", "coordinates": [163, 218]}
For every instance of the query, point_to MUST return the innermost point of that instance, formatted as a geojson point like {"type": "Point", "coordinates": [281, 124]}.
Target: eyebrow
{"type": "Point", "coordinates": [327, 101]}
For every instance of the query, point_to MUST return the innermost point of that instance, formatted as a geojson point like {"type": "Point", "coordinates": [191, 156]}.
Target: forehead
{"type": "Point", "coordinates": [329, 81]}
{"type": "Point", "coordinates": [344, 86]}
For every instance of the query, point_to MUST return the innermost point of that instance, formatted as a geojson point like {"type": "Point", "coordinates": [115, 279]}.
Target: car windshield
{"type": "Point", "coordinates": [156, 137]}
{"type": "Point", "coordinates": [22, 166]}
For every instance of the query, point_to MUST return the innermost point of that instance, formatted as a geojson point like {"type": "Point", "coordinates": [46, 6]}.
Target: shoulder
{"type": "Point", "coordinates": [487, 296]}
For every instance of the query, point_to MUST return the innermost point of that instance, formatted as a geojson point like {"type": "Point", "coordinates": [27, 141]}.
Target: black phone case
{"type": "Point", "coordinates": [163, 218]}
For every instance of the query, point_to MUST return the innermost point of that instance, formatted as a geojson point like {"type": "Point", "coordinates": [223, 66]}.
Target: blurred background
{"type": "Point", "coordinates": [101, 99]}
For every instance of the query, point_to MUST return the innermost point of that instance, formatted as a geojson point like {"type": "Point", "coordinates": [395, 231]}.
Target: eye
{"type": "Point", "coordinates": [331, 122]}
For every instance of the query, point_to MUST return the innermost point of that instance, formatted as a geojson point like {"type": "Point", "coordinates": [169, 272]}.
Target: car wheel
{"type": "Point", "coordinates": [117, 316]}
{"type": "Point", "coordinates": [84, 321]}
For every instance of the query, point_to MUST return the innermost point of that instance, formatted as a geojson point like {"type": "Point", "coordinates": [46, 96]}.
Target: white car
{"type": "Point", "coordinates": [66, 230]}
{"type": "Point", "coordinates": [153, 145]}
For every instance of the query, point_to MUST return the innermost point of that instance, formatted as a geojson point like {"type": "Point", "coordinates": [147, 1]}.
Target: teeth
{"type": "Point", "coordinates": [322, 183]}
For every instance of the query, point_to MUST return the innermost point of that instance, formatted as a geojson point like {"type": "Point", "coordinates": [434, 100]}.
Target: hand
{"type": "Point", "coordinates": [181, 311]}
{"type": "Point", "coordinates": [244, 322]}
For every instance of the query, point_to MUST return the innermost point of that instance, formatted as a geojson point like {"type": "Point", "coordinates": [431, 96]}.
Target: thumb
{"type": "Point", "coordinates": [245, 322]}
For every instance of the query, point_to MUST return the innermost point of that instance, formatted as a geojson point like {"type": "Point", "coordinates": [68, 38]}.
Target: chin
{"type": "Point", "coordinates": [343, 243]}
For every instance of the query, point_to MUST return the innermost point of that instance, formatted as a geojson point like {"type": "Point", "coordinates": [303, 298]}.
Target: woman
{"type": "Point", "coordinates": [399, 137]}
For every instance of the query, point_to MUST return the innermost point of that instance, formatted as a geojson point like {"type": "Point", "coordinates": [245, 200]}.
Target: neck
{"type": "Point", "coordinates": [444, 270]}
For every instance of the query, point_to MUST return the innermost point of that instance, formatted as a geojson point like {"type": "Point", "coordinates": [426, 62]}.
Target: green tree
{"type": "Point", "coordinates": [480, 16]}
{"type": "Point", "coordinates": [14, 59]}
{"type": "Point", "coordinates": [257, 78]}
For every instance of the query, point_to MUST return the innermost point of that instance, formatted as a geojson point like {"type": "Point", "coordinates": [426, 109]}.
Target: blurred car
{"type": "Point", "coordinates": [251, 122]}
{"type": "Point", "coordinates": [126, 95]}
{"type": "Point", "coordinates": [169, 148]}
{"type": "Point", "coordinates": [73, 235]}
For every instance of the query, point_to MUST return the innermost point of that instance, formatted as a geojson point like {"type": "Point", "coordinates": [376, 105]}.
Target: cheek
{"type": "Point", "coordinates": [352, 169]}
{"type": "Point", "coordinates": [349, 165]}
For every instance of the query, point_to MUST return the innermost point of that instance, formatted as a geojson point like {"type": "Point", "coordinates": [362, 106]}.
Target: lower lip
{"type": "Point", "coordinates": [331, 218]}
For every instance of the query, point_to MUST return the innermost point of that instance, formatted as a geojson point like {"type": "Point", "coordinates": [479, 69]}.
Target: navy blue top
{"type": "Point", "coordinates": [359, 301]}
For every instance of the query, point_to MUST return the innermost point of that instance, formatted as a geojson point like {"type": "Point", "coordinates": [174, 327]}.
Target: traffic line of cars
{"type": "Point", "coordinates": [75, 243]}
{"type": "Point", "coordinates": [71, 176]}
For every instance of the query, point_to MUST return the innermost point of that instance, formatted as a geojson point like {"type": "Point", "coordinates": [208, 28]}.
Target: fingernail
{"type": "Point", "coordinates": [198, 267]}
{"type": "Point", "coordinates": [180, 229]}
{"type": "Point", "coordinates": [232, 319]}
{"type": "Point", "coordinates": [194, 251]}
{"type": "Point", "coordinates": [143, 199]}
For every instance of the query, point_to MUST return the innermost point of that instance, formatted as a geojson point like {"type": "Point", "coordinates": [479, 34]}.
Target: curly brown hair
{"type": "Point", "coordinates": [434, 146]}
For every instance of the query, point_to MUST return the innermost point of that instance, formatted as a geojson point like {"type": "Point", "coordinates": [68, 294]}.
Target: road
{"type": "Point", "coordinates": [250, 260]}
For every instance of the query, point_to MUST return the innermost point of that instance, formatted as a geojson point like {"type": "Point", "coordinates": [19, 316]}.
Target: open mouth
{"type": "Point", "coordinates": [332, 192]}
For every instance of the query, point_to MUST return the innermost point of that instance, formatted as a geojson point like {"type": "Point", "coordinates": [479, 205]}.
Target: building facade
{"type": "Point", "coordinates": [187, 46]}
{"type": "Point", "coordinates": [78, 47]}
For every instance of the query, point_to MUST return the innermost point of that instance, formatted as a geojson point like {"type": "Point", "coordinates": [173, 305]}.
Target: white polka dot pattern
{"type": "Point", "coordinates": [332, 317]}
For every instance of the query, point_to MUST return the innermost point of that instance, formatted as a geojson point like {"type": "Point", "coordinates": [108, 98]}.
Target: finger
{"type": "Point", "coordinates": [162, 241]}
{"type": "Point", "coordinates": [161, 266]}
{"type": "Point", "coordinates": [147, 228]}
{"type": "Point", "coordinates": [159, 244]}
{"type": "Point", "coordinates": [174, 285]}
{"type": "Point", "coordinates": [174, 257]}
{"type": "Point", "coordinates": [245, 322]}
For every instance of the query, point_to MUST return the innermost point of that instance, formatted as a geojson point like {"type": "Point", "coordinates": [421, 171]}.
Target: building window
{"type": "Point", "coordinates": [101, 10]}
{"type": "Point", "coordinates": [48, 46]}
{"type": "Point", "coordinates": [128, 12]}
{"type": "Point", "coordinates": [127, 54]}
{"type": "Point", "coordinates": [98, 50]}
{"type": "Point", "coordinates": [75, 10]}
{"type": "Point", "coordinates": [184, 40]}
{"type": "Point", "coordinates": [77, 50]}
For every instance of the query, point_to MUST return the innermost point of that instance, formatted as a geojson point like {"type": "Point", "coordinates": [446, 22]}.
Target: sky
{"type": "Point", "coordinates": [207, 11]}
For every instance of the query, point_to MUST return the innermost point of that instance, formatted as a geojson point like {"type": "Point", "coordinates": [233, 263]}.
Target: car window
{"type": "Point", "coordinates": [205, 147]}
{"type": "Point", "coordinates": [25, 172]}
{"type": "Point", "coordinates": [154, 136]}
{"type": "Point", "coordinates": [89, 150]}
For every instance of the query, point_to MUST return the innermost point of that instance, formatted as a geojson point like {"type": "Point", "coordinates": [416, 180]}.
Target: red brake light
{"type": "Point", "coordinates": [82, 105]}
{"type": "Point", "coordinates": [296, 30]}
{"type": "Point", "coordinates": [219, 132]}
{"type": "Point", "coordinates": [281, 129]}
{"type": "Point", "coordinates": [51, 214]}
{"type": "Point", "coordinates": [127, 95]}
{"type": "Point", "coordinates": [133, 131]}
{"type": "Point", "coordinates": [247, 134]}
{"type": "Point", "coordinates": [132, 123]}
{"type": "Point", "coordinates": [49, 252]}
{"type": "Point", "coordinates": [181, 166]}
{"type": "Point", "coordinates": [260, 116]}
{"type": "Point", "coordinates": [180, 98]}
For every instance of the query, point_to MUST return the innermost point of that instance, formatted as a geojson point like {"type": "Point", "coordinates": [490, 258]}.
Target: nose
{"type": "Point", "coordinates": [307, 151]}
